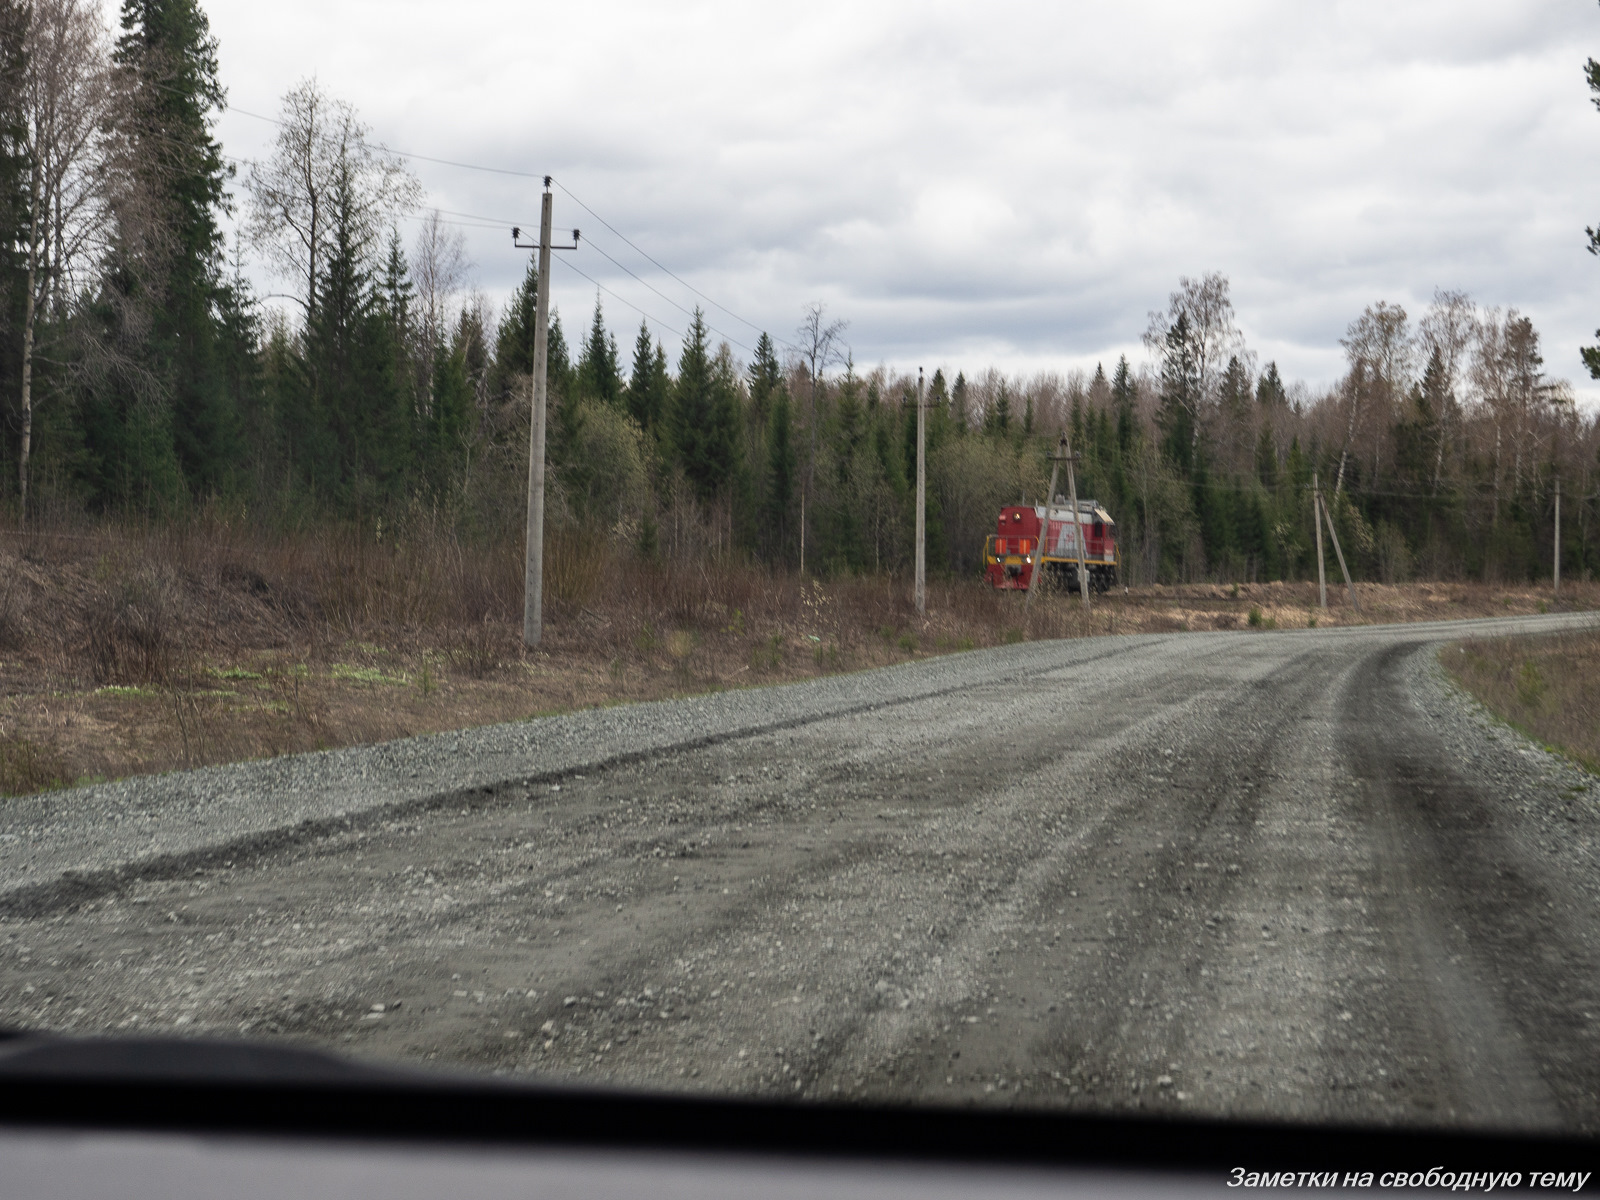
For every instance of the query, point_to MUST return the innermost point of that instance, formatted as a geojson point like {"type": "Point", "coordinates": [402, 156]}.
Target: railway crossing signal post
{"type": "Point", "coordinates": [533, 561]}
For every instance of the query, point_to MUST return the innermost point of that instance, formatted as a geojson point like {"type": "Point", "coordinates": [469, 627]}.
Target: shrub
{"type": "Point", "coordinates": [29, 766]}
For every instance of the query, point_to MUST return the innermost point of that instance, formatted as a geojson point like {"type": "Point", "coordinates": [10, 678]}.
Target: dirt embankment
{"type": "Point", "coordinates": [134, 652]}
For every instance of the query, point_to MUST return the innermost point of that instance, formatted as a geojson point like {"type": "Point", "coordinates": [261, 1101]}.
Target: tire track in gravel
{"type": "Point", "coordinates": [1159, 875]}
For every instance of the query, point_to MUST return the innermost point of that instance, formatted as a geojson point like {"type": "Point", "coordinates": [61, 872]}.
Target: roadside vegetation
{"type": "Point", "coordinates": [1548, 687]}
{"type": "Point", "coordinates": [126, 650]}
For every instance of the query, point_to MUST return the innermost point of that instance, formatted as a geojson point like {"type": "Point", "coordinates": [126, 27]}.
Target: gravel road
{"type": "Point", "coordinates": [1281, 874]}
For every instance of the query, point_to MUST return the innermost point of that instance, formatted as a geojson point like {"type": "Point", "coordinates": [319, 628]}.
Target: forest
{"type": "Point", "coordinates": [145, 380]}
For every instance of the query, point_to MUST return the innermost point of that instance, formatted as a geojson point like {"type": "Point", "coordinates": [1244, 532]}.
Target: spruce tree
{"type": "Point", "coordinates": [513, 342]}
{"type": "Point", "coordinates": [168, 58]}
{"type": "Point", "coordinates": [646, 397]}
{"type": "Point", "coordinates": [703, 424]}
{"type": "Point", "coordinates": [598, 375]}
{"type": "Point", "coordinates": [1123, 395]}
{"type": "Point", "coordinates": [783, 463]}
{"type": "Point", "coordinates": [958, 403]}
{"type": "Point", "coordinates": [558, 363]}
{"type": "Point", "coordinates": [765, 380]}
{"type": "Point", "coordinates": [1270, 392]}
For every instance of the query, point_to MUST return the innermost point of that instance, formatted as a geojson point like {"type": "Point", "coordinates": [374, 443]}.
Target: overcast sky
{"type": "Point", "coordinates": [970, 185]}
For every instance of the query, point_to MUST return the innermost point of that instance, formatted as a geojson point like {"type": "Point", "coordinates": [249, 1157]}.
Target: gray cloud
{"type": "Point", "coordinates": [1015, 184]}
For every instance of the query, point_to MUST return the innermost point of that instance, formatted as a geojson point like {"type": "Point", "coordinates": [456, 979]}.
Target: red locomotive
{"type": "Point", "coordinates": [1010, 553]}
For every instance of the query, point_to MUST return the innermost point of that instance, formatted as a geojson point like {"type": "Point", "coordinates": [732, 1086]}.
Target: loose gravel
{"type": "Point", "coordinates": [1286, 874]}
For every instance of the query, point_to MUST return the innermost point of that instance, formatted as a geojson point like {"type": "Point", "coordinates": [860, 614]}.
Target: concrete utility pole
{"type": "Point", "coordinates": [1557, 588]}
{"type": "Point", "coordinates": [922, 501]}
{"type": "Point", "coordinates": [533, 561]}
{"type": "Point", "coordinates": [1316, 524]}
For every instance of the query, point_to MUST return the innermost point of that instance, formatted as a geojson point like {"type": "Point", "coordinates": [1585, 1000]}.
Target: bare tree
{"type": "Point", "coordinates": [1381, 353]}
{"type": "Point", "coordinates": [1448, 328]}
{"type": "Point", "coordinates": [439, 268]}
{"type": "Point", "coordinates": [1489, 380]}
{"type": "Point", "coordinates": [1213, 337]}
{"type": "Point", "coordinates": [66, 107]}
{"type": "Point", "coordinates": [321, 146]}
{"type": "Point", "coordinates": [819, 345]}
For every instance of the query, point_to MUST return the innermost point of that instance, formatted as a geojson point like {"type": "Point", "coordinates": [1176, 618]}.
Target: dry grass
{"type": "Point", "coordinates": [1548, 687]}
{"type": "Point", "coordinates": [125, 651]}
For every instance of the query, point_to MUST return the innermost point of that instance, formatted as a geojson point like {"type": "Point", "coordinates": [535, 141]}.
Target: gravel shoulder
{"type": "Point", "coordinates": [1287, 874]}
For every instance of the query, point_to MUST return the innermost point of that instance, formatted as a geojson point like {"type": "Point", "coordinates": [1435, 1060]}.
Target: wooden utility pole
{"type": "Point", "coordinates": [1344, 570]}
{"type": "Point", "coordinates": [1044, 529]}
{"type": "Point", "coordinates": [533, 559]}
{"type": "Point", "coordinates": [1557, 588]}
{"type": "Point", "coordinates": [1316, 524]}
{"type": "Point", "coordinates": [1077, 528]}
{"type": "Point", "coordinates": [922, 501]}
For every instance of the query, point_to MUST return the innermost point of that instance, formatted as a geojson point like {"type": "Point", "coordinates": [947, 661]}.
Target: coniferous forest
{"type": "Point", "coordinates": [142, 378]}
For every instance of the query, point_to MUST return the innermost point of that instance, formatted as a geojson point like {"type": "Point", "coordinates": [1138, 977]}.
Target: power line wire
{"type": "Point", "coordinates": [574, 198]}
{"type": "Point", "coordinates": [567, 263]}
{"type": "Point", "coordinates": [581, 204]}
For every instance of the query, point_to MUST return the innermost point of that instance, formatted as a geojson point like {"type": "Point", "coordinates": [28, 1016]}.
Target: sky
{"type": "Point", "coordinates": [1013, 185]}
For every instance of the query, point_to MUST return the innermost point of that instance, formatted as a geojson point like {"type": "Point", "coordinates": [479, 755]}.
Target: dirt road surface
{"type": "Point", "coordinates": [1281, 874]}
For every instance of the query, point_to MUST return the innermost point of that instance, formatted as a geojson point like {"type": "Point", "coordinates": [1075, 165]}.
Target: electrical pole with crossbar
{"type": "Point", "coordinates": [533, 560]}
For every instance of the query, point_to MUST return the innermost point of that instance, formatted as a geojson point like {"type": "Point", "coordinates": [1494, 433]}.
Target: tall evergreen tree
{"type": "Point", "coordinates": [703, 424]}
{"type": "Point", "coordinates": [558, 362]}
{"type": "Point", "coordinates": [783, 464]}
{"type": "Point", "coordinates": [647, 387]}
{"type": "Point", "coordinates": [1270, 392]}
{"type": "Point", "coordinates": [765, 380]}
{"type": "Point", "coordinates": [1123, 396]}
{"type": "Point", "coordinates": [598, 375]}
{"type": "Point", "coordinates": [1180, 393]}
{"type": "Point", "coordinates": [168, 57]}
{"type": "Point", "coordinates": [513, 342]}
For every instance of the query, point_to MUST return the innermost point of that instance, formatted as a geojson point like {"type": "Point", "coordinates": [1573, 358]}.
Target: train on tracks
{"type": "Point", "coordinates": [1012, 552]}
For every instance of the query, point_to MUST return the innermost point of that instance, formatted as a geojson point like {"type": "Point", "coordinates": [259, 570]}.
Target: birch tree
{"type": "Point", "coordinates": [66, 108]}
{"type": "Point", "coordinates": [322, 149]}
